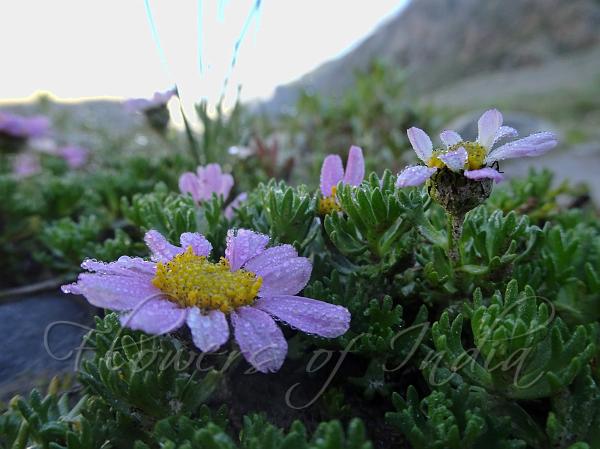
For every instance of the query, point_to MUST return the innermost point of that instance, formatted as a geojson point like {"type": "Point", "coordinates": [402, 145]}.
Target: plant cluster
{"type": "Point", "coordinates": [482, 339]}
{"type": "Point", "coordinates": [367, 313]}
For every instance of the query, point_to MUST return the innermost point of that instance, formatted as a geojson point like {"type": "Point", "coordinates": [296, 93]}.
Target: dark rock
{"type": "Point", "coordinates": [40, 336]}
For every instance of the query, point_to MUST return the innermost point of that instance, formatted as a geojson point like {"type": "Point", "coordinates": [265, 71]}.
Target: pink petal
{"type": "Point", "coordinates": [198, 242]}
{"type": "Point", "coordinates": [332, 172]}
{"type": "Point", "coordinates": [450, 138]}
{"type": "Point", "coordinates": [235, 204]}
{"type": "Point", "coordinates": [226, 185]}
{"type": "Point", "coordinates": [209, 331]}
{"type": "Point", "coordinates": [124, 266]}
{"type": "Point", "coordinates": [25, 165]}
{"type": "Point", "coordinates": [242, 245]}
{"type": "Point", "coordinates": [533, 145]}
{"type": "Point", "coordinates": [355, 167]}
{"type": "Point", "coordinates": [414, 176]}
{"type": "Point", "coordinates": [75, 156]}
{"type": "Point", "coordinates": [212, 179]}
{"type": "Point", "coordinates": [189, 183]}
{"type": "Point", "coordinates": [113, 291]}
{"type": "Point", "coordinates": [482, 173]}
{"type": "Point", "coordinates": [161, 249]}
{"type": "Point", "coordinates": [308, 315]}
{"type": "Point", "coordinates": [488, 126]}
{"type": "Point", "coordinates": [455, 160]}
{"type": "Point", "coordinates": [420, 142]}
{"type": "Point", "coordinates": [155, 316]}
{"type": "Point", "coordinates": [505, 132]}
{"type": "Point", "coordinates": [282, 271]}
{"type": "Point", "coordinates": [260, 339]}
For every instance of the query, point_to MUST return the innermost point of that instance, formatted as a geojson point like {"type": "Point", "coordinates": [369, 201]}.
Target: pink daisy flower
{"type": "Point", "coordinates": [206, 181]}
{"type": "Point", "coordinates": [251, 285]}
{"type": "Point", "coordinates": [26, 165]}
{"type": "Point", "coordinates": [332, 172]}
{"type": "Point", "coordinates": [23, 127]}
{"type": "Point", "coordinates": [473, 159]}
{"type": "Point", "coordinates": [74, 156]}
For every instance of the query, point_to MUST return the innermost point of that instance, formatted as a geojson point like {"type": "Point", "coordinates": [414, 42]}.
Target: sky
{"type": "Point", "coordinates": [111, 48]}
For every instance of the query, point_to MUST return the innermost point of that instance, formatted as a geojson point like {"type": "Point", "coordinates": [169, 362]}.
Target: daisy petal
{"type": "Point", "coordinates": [155, 316]}
{"type": "Point", "coordinates": [260, 339]}
{"type": "Point", "coordinates": [533, 145]}
{"type": "Point", "coordinates": [455, 160]}
{"type": "Point", "coordinates": [355, 167]}
{"type": "Point", "coordinates": [242, 245]}
{"type": "Point", "coordinates": [450, 138]}
{"type": "Point", "coordinates": [161, 249]}
{"type": "Point", "coordinates": [198, 242]}
{"type": "Point", "coordinates": [414, 176]}
{"type": "Point", "coordinates": [332, 172]}
{"type": "Point", "coordinates": [209, 331]}
{"type": "Point", "coordinates": [505, 132]}
{"type": "Point", "coordinates": [188, 183]}
{"type": "Point", "coordinates": [282, 271]}
{"type": "Point", "coordinates": [226, 185]}
{"type": "Point", "coordinates": [212, 179]}
{"type": "Point", "coordinates": [124, 266]}
{"type": "Point", "coordinates": [420, 142]}
{"type": "Point", "coordinates": [482, 173]}
{"type": "Point", "coordinates": [308, 315]}
{"type": "Point", "coordinates": [489, 124]}
{"type": "Point", "coordinates": [112, 291]}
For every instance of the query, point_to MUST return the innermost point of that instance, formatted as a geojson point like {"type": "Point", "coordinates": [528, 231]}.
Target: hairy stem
{"type": "Point", "coordinates": [455, 226]}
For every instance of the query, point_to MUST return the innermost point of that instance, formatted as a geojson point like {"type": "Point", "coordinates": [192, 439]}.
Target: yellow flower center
{"type": "Point", "coordinates": [476, 155]}
{"type": "Point", "coordinates": [328, 204]}
{"type": "Point", "coordinates": [192, 281]}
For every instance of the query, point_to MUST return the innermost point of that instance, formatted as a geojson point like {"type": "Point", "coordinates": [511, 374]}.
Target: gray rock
{"type": "Point", "coordinates": [40, 336]}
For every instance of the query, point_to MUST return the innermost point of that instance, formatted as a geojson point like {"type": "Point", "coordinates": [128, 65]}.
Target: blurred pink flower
{"type": "Point", "coordinates": [206, 181]}
{"type": "Point", "coordinates": [76, 157]}
{"type": "Point", "coordinates": [25, 165]}
{"type": "Point", "coordinates": [23, 127]}
{"type": "Point", "coordinates": [252, 285]}
{"type": "Point", "coordinates": [231, 207]}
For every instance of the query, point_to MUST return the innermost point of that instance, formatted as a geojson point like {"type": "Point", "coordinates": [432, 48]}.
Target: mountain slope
{"type": "Point", "coordinates": [440, 41]}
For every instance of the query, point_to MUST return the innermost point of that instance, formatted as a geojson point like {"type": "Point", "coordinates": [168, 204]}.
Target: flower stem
{"type": "Point", "coordinates": [455, 227]}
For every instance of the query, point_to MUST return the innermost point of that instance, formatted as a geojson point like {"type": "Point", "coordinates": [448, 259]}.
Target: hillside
{"type": "Point", "coordinates": [438, 42]}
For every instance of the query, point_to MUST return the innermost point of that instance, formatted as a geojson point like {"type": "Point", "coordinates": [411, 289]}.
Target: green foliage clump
{"type": "Point", "coordinates": [452, 418]}
{"type": "Point", "coordinates": [118, 411]}
{"type": "Point", "coordinates": [575, 414]}
{"type": "Point", "coordinates": [285, 213]}
{"type": "Point", "coordinates": [501, 370]}
{"type": "Point", "coordinates": [376, 220]}
{"type": "Point", "coordinates": [519, 351]}
{"type": "Point", "coordinates": [257, 432]}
